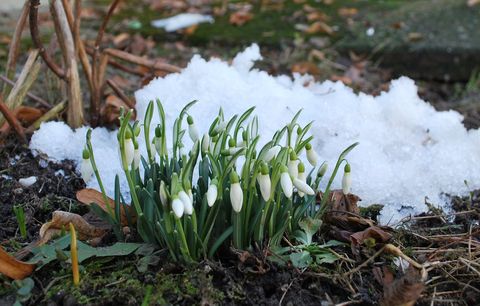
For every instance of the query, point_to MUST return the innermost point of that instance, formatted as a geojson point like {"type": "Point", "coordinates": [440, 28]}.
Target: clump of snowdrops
{"type": "Point", "coordinates": [242, 195]}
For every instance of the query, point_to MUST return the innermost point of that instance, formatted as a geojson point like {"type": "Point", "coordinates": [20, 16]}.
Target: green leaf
{"type": "Point", "coordinates": [301, 260]}
{"type": "Point", "coordinates": [310, 226]}
{"type": "Point", "coordinates": [325, 258]}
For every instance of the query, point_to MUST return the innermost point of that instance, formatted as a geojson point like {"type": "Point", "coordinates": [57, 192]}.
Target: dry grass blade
{"type": "Point", "coordinates": [14, 47]}
{"type": "Point", "coordinates": [12, 121]}
{"type": "Point", "coordinates": [13, 268]}
{"type": "Point", "coordinates": [29, 94]}
{"type": "Point", "coordinates": [155, 65]}
{"type": "Point", "coordinates": [121, 94]}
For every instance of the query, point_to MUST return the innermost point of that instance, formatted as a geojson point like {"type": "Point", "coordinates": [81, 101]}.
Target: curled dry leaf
{"type": "Point", "coordinates": [319, 27]}
{"type": "Point", "coordinates": [405, 290]}
{"type": "Point", "coordinates": [372, 232]}
{"type": "Point", "coordinates": [240, 18]}
{"type": "Point", "coordinates": [306, 68]}
{"type": "Point", "coordinates": [60, 222]}
{"type": "Point", "coordinates": [88, 196]}
{"type": "Point", "coordinates": [13, 268]}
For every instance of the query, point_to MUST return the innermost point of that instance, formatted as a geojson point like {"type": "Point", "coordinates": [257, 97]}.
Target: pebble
{"type": "Point", "coordinates": [28, 181]}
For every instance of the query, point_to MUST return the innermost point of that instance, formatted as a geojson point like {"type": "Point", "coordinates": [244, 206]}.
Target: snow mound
{"type": "Point", "coordinates": [408, 151]}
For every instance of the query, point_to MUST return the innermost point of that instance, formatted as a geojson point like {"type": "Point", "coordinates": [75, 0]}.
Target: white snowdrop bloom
{"type": "Point", "coordinates": [346, 180]}
{"type": "Point", "coordinates": [293, 168]}
{"type": "Point", "coordinates": [212, 193]}
{"type": "Point", "coordinates": [187, 204]}
{"type": "Point", "coordinates": [236, 193]}
{"type": "Point", "coordinates": [163, 194]}
{"type": "Point", "coordinates": [271, 153]}
{"type": "Point", "coordinates": [157, 142]}
{"type": "Point", "coordinates": [190, 195]}
{"type": "Point", "coordinates": [302, 176]}
{"type": "Point", "coordinates": [312, 156]}
{"type": "Point", "coordinates": [136, 158]}
{"type": "Point", "coordinates": [129, 151]}
{"type": "Point", "coordinates": [177, 207]}
{"type": "Point", "coordinates": [86, 169]}
{"type": "Point", "coordinates": [323, 169]}
{"type": "Point", "coordinates": [192, 129]}
{"type": "Point", "coordinates": [205, 143]}
{"type": "Point", "coordinates": [303, 187]}
{"type": "Point", "coordinates": [264, 182]}
{"type": "Point", "coordinates": [286, 183]}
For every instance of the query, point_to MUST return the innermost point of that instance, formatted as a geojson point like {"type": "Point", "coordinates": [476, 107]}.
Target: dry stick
{"type": "Point", "coordinates": [97, 82]}
{"type": "Point", "coordinates": [12, 121]}
{"type": "Point", "coordinates": [119, 66]}
{"type": "Point", "coordinates": [47, 116]}
{"type": "Point", "coordinates": [74, 23]}
{"type": "Point", "coordinates": [142, 61]}
{"type": "Point", "coordinates": [38, 43]}
{"type": "Point", "coordinates": [30, 95]}
{"type": "Point", "coordinates": [65, 38]}
{"type": "Point", "coordinates": [14, 47]}
{"type": "Point", "coordinates": [121, 94]}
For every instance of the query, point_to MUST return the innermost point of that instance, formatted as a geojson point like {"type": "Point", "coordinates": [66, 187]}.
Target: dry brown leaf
{"type": "Point", "coordinates": [61, 220]}
{"type": "Point", "coordinates": [240, 18]}
{"type": "Point", "coordinates": [405, 290]}
{"type": "Point", "coordinates": [347, 11]}
{"type": "Point", "coordinates": [319, 27]}
{"type": "Point", "coordinates": [110, 111]}
{"type": "Point", "coordinates": [374, 232]}
{"type": "Point", "coordinates": [88, 196]}
{"type": "Point", "coordinates": [14, 268]}
{"type": "Point", "coordinates": [28, 115]}
{"type": "Point", "coordinates": [317, 16]}
{"type": "Point", "coordinates": [345, 79]}
{"type": "Point", "coordinates": [306, 68]}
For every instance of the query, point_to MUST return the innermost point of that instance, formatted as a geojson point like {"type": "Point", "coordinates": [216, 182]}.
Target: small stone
{"type": "Point", "coordinates": [28, 181]}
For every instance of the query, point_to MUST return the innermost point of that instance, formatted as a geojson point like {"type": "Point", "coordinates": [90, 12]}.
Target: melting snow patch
{"type": "Point", "coordinates": [181, 21]}
{"type": "Point", "coordinates": [408, 151]}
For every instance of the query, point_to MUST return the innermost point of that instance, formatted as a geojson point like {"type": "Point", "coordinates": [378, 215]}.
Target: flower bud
{"type": "Point", "coordinates": [271, 153]}
{"type": "Point", "coordinates": [236, 193]}
{"type": "Point", "coordinates": [177, 207]}
{"type": "Point", "coordinates": [303, 186]}
{"type": "Point", "coordinates": [264, 182]}
{"type": "Point", "coordinates": [293, 165]}
{"type": "Point", "coordinates": [192, 129]}
{"type": "Point", "coordinates": [163, 194]}
{"type": "Point", "coordinates": [212, 193]}
{"type": "Point", "coordinates": [205, 143]}
{"type": "Point", "coordinates": [187, 204]}
{"type": "Point", "coordinates": [286, 182]}
{"type": "Point", "coordinates": [136, 156]}
{"type": "Point", "coordinates": [323, 169]}
{"type": "Point", "coordinates": [129, 150]}
{"type": "Point", "coordinates": [302, 177]}
{"type": "Point", "coordinates": [312, 156]}
{"type": "Point", "coordinates": [347, 180]}
{"type": "Point", "coordinates": [86, 169]}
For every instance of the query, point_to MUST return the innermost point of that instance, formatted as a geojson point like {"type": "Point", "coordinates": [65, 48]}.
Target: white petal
{"type": "Point", "coordinates": [205, 143]}
{"type": "Point", "coordinates": [286, 183]}
{"type": "Point", "coordinates": [193, 132]}
{"type": "Point", "coordinates": [212, 194]}
{"type": "Point", "coordinates": [271, 153]}
{"type": "Point", "coordinates": [129, 148]}
{"type": "Point", "coordinates": [312, 157]}
{"type": "Point", "coordinates": [136, 159]}
{"type": "Point", "coordinates": [303, 187]}
{"type": "Point", "coordinates": [293, 168]}
{"type": "Point", "coordinates": [346, 183]}
{"type": "Point", "coordinates": [86, 170]}
{"type": "Point", "coordinates": [187, 204]}
{"type": "Point", "coordinates": [177, 207]}
{"type": "Point", "coordinates": [236, 197]}
{"type": "Point", "coordinates": [265, 186]}
{"type": "Point", "coordinates": [163, 194]}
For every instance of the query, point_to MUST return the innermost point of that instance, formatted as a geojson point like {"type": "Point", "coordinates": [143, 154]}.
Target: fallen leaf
{"type": "Point", "coordinates": [88, 196]}
{"type": "Point", "coordinates": [319, 27]}
{"type": "Point", "coordinates": [240, 18]}
{"type": "Point", "coordinates": [347, 11]}
{"type": "Point", "coordinates": [306, 68]}
{"type": "Point", "coordinates": [60, 222]}
{"type": "Point", "coordinates": [317, 16]}
{"type": "Point", "coordinates": [373, 232]}
{"type": "Point", "coordinates": [28, 115]}
{"type": "Point", "coordinates": [344, 79]}
{"type": "Point", "coordinates": [405, 290]}
{"type": "Point", "coordinates": [13, 268]}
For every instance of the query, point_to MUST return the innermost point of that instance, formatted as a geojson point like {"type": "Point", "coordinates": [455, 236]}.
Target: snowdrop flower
{"type": "Point", "coordinates": [312, 156]}
{"type": "Point", "coordinates": [293, 165]}
{"type": "Point", "coordinates": [243, 143]}
{"type": "Point", "coordinates": [264, 182]}
{"type": "Point", "coordinates": [271, 153]}
{"type": "Point", "coordinates": [177, 207]}
{"type": "Point", "coordinates": [86, 169]}
{"type": "Point", "coordinates": [302, 177]}
{"type": "Point", "coordinates": [129, 147]}
{"type": "Point", "coordinates": [192, 129]}
{"type": "Point", "coordinates": [190, 195]}
{"type": "Point", "coordinates": [163, 194]}
{"type": "Point", "coordinates": [236, 193]}
{"type": "Point", "coordinates": [205, 143]}
{"type": "Point", "coordinates": [286, 182]}
{"type": "Point", "coordinates": [303, 187]}
{"type": "Point", "coordinates": [136, 156]}
{"type": "Point", "coordinates": [187, 204]}
{"type": "Point", "coordinates": [157, 140]}
{"type": "Point", "coordinates": [212, 193]}
{"type": "Point", "coordinates": [323, 169]}
{"type": "Point", "coordinates": [347, 180]}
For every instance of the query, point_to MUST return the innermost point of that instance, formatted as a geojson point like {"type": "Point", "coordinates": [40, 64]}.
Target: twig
{"type": "Point", "coordinates": [96, 73]}
{"type": "Point", "coordinates": [365, 263]}
{"type": "Point", "coordinates": [14, 47]}
{"type": "Point", "coordinates": [30, 95]}
{"type": "Point", "coordinates": [12, 121]}
{"type": "Point", "coordinates": [33, 16]}
{"type": "Point", "coordinates": [142, 61]}
{"type": "Point", "coordinates": [121, 94]}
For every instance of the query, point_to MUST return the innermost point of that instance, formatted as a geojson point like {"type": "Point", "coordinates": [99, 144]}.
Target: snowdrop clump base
{"type": "Point", "coordinates": [243, 195]}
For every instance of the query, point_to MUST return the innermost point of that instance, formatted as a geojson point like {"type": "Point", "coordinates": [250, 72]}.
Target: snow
{"type": "Point", "coordinates": [181, 21]}
{"type": "Point", "coordinates": [27, 181]}
{"type": "Point", "coordinates": [408, 150]}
